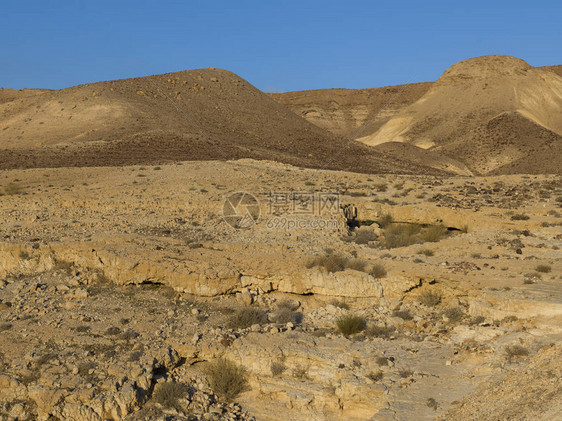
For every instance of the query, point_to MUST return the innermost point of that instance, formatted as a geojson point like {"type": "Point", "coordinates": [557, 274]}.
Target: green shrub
{"type": "Point", "coordinates": [226, 378]}
{"type": "Point", "coordinates": [350, 324]}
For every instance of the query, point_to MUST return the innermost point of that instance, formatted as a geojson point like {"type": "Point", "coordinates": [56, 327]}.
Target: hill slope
{"type": "Point", "coordinates": [488, 112]}
{"type": "Point", "coordinates": [352, 112]}
{"type": "Point", "coordinates": [190, 115]}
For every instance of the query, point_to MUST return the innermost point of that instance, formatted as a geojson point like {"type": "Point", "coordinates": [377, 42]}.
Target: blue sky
{"type": "Point", "coordinates": [279, 45]}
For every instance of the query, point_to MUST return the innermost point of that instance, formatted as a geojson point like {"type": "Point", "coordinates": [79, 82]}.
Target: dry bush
{"type": "Point", "coordinates": [403, 235]}
{"type": "Point", "coordinates": [403, 314]}
{"type": "Point", "coordinates": [405, 373]}
{"type": "Point", "coordinates": [454, 314]}
{"type": "Point", "coordinates": [168, 394]}
{"type": "Point", "coordinates": [516, 351]}
{"type": "Point", "coordinates": [12, 189]}
{"type": "Point", "coordinates": [543, 268]}
{"type": "Point", "coordinates": [247, 317]}
{"type": "Point", "coordinates": [385, 220]}
{"type": "Point", "coordinates": [433, 233]}
{"type": "Point", "coordinates": [226, 378]}
{"type": "Point", "coordinates": [332, 262]}
{"type": "Point", "coordinates": [375, 375]}
{"type": "Point", "coordinates": [430, 298]}
{"type": "Point", "coordinates": [277, 368]}
{"type": "Point", "coordinates": [377, 271]}
{"type": "Point", "coordinates": [340, 304]}
{"type": "Point", "coordinates": [364, 236]}
{"type": "Point", "coordinates": [378, 331]}
{"type": "Point", "coordinates": [426, 252]}
{"type": "Point", "coordinates": [350, 324]}
{"type": "Point", "coordinates": [519, 217]}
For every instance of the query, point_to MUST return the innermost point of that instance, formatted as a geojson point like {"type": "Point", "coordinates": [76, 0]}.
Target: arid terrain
{"type": "Point", "coordinates": [185, 247]}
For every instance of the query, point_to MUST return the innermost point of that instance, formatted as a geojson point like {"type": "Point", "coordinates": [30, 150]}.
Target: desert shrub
{"type": "Point", "coordinates": [12, 189]}
{"type": "Point", "coordinates": [340, 304]}
{"type": "Point", "coordinates": [385, 220]}
{"type": "Point", "coordinates": [543, 268]}
{"type": "Point", "coordinates": [226, 378]}
{"type": "Point", "coordinates": [277, 368]}
{"type": "Point", "coordinates": [403, 314]}
{"type": "Point", "coordinates": [113, 331]}
{"type": "Point", "coordinates": [476, 320]}
{"type": "Point", "coordinates": [430, 298]}
{"type": "Point", "coordinates": [332, 262]}
{"type": "Point", "coordinates": [515, 351]}
{"type": "Point", "coordinates": [168, 394]}
{"type": "Point", "coordinates": [381, 361]}
{"type": "Point", "coordinates": [24, 255]}
{"type": "Point", "coordinates": [403, 235]}
{"type": "Point", "coordinates": [350, 324]}
{"type": "Point", "coordinates": [432, 403]}
{"type": "Point", "coordinates": [300, 372]}
{"type": "Point", "coordinates": [426, 252]}
{"type": "Point", "coordinates": [292, 305]}
{"type": "Point", "coordinates": [377, 271]}
{"type": "Point", "coordinates": [379, 331]}
{"type": "Point", "coordinates": [375, 375]}
{"type": "Point", "coordinates": [454, 314]}
{"type": "Point", "coordinates": [286, 315]}
{"type": "Point", "coordinates": [433, 233]}
{"type": "Point", "coordinates": [519, 217]}
{"type": "Point", "coordinates": [364, 236]}
{"type": "Point", "coordinates": [405, 373]}
{"type": "Point", "coordinates": [357, 194]}
{"type": "Point", "coordinates": [5, 326]}
{"type": "Point", "coordinates": [247, 317]}
{"type": "Point", "coordinates": [382, 187]}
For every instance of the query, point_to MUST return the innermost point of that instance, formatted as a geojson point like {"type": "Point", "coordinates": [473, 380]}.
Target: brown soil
{"type": "Point", "coordinates": [191, 115]}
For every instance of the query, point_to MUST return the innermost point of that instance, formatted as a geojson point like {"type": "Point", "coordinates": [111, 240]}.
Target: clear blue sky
{"type": "Point", "coordinates": [276, 45]}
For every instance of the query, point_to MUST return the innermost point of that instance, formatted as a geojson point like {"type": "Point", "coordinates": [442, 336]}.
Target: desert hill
{"type": "Point", "coordinates": [493, 114]}
{"type": "Point", "coordinates": [352, 112]}
{"type": "Point", "coordinates": [192, 115]}
{"type": "Point", "coordinates": [8, 95]}
{"type": "Point", "coordinates": [488, 112]}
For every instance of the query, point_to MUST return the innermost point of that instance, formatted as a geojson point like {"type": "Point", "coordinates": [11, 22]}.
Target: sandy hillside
{"type": "Point", "coordinates": [8, 95]}
{"type": "Point", "coordinates": [352, 112]}
{"type": "Point", "coordinates": [489, 112]}
{"type": "Point", "coordinates": [190, 115]}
